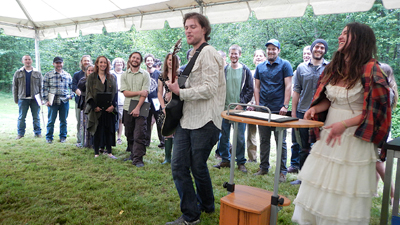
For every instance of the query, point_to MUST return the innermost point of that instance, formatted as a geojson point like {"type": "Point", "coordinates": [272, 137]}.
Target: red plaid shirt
{"type": "Point", "coordinates": [376, 113]}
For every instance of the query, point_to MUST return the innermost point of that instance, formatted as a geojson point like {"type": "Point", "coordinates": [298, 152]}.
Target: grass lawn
{"type": "Point", "coordinates": [59, 183]}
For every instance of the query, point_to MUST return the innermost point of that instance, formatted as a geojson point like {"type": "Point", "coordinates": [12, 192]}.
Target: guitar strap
{"type": "Point", "coordinates": [185, 74]}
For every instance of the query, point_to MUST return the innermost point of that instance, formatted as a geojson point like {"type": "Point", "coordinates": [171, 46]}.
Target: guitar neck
{"type": "Point", "coordinates": [174, 62]}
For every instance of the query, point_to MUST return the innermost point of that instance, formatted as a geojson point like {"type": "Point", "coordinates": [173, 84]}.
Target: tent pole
{"type": "Point", "coordinates": [37, 55]}
{"type": "Point", "coordinates": [200, 3]}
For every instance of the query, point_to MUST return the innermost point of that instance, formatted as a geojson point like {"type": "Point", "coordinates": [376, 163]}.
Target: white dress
{"type": "Point", "coordinates": [338, 182]}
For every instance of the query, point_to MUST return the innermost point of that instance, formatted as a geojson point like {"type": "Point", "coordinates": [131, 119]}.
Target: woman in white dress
{"type": "Point", "coordinates": [352, 98]}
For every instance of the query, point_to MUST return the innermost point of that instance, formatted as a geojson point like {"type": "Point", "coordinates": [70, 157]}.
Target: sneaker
{"type": "Point", "coordinates": [79, 145]}
{"type": "Point", "coordinates": [242, 168]}
{"type": "Point", "coordinates": [181, 221]}
{"type": "Point", "coordinates": [63, 140]}
{"type": "Point", "coordinates": [282, 178]}
{"type": "Point", "coordinates": [112, 157]}
{"type": "Point", "coordinates": [292, 169]}
{"type": "Point", "coordinates": [296, 182]}
{"type": "Point", "coordinates": [261, 172]}
{"type": "Point", "coordinates": [49, 141]}
{"type": "Point", "coordinates": [161, 145]}
{"type": "Point", "coordinates": [119, 141]}
{"type": "Point", "coordinates": [223, 164]}
{"type": "Point", "coordinates": [19, 137]}
{"type": "Point", "coordinates": [38, 135]}
{"type": "Point", "coordinates": [252, 160]}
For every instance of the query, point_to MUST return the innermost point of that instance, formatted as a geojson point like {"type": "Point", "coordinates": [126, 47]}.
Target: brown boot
{"type": "Point", "coordinates": [222, 164]}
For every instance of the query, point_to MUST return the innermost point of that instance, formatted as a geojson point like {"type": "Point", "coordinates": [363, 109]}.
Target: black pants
{"type": "Point", "coordinates": [135, 132]}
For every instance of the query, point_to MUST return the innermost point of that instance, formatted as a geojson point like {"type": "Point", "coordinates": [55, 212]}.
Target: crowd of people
{"type": "Point", "coordinates": [353, 95]}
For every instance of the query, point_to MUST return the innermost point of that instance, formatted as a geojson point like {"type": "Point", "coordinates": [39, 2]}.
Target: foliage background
{"type": "Point", "coordinates": [293, 34]}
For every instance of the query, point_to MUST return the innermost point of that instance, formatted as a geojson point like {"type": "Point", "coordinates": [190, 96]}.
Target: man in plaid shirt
{"type": "Point", "coordinates": [56, 95]}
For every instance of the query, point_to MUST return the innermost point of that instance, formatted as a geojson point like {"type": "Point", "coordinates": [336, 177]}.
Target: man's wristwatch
{"type": "Point", "coordinates": [286, 106]}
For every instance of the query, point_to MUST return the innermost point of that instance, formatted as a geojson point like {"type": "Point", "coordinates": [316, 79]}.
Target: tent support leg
{"type": "Point", "coordinates": [37, 55]}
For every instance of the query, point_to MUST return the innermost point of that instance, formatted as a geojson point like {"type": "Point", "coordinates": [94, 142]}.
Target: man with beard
{"type": "Point", "coordinates": [135, 85]}
{"type": "Point", "coordinates": [295, 158]}
{"type": "Point", "coordinates": [239, 88]}
{"type": "Point", "coordinates": [154, 74]}
{"type": "Point", "coordinates": [199, 127]}
{"type": "Point", "coordinates": [85, 61]}
{"type": "Point", "coordinates": [273, 90]}
{"type": "Point", "coordinates": [305, 83]}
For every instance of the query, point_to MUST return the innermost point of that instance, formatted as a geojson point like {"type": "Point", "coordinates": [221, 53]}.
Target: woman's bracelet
{"type": "Point", "coordinates": [344, 124]}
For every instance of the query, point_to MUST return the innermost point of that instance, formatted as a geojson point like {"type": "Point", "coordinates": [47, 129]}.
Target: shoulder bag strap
{"type": "Point", "coordinates": [185, 74]}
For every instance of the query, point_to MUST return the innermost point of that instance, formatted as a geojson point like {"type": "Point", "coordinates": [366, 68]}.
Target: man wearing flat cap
{"type": "Point", "coordinates": [305, 84]}
{"type": "Point", "coordinates": [273, 86]}
{"type": "Point", "coordinates": [57, 86]}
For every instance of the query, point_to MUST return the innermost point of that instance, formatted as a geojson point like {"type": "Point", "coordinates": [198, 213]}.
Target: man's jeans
{"type": "Point", "coordinates": [23, 105]}
{"type": "Point", "coordinates": [191, 151]}
{"type": "Point", "coordinates": [265, 146]}
{"type": "Point", "coordinates": [62, 109]}
{"type": "Point", "coordinates": [224, 142]}
{"type": "Point", "coordinates": [296, 151]}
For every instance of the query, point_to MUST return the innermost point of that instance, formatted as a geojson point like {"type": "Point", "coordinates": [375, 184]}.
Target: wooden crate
{"type": "Point", "coordinates": [247, 206]}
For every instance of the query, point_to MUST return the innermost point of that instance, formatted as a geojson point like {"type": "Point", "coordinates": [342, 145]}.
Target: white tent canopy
{"type": "Point", "coordinates": [45, 19]}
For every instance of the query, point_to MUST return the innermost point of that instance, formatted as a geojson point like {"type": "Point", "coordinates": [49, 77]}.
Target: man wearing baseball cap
{"type": "Point", "coordinates": [273, 84]}
{"type": "Point", "coordinates": [57, 92]}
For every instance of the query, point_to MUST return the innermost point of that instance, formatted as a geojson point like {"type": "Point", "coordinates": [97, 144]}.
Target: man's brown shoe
{"type": "Point", "coordinates": [242, 168]}
{"type": "Point", "coordinates": [222, 164]}
{"type": "Point", "coordinates": [261, 172]}
{"type": "Point", "coordinates": [19, 137]}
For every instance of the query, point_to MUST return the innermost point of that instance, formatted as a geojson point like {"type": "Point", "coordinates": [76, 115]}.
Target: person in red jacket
{"type": "Point", "coordinates": [353, 100]}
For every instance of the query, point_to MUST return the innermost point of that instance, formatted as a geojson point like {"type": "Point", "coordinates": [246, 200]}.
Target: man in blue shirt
{"type": "Point", "coordinates": [27, 82]}
{"type": "Point", "coordinates": [273, 84]}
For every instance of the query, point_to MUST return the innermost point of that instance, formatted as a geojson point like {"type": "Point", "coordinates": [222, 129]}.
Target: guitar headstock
{"type": "Point", "coordinates": [177, 47]}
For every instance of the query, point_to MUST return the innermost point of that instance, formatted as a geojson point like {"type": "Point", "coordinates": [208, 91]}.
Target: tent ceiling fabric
{"type": "Point", "coordinates": [67, 18]}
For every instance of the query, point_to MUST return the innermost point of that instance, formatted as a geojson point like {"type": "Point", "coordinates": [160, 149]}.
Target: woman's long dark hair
{"type": "Point", "coordinates": [96, 67]}
{"type": "Point", "coordinates": [347, 64]}
{"type": "Point", "coordinates": [165, 66]}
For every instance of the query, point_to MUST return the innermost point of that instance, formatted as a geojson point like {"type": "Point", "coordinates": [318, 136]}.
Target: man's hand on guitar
{"type": "Point", "coordinates": [135, 112]}
{"type": "Point", "coordinates": [174, 87]}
